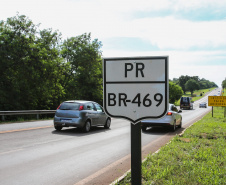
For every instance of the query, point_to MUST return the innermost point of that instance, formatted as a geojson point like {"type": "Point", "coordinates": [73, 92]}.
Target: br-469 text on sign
{"type": "Point", "coordinates": [136, 88]}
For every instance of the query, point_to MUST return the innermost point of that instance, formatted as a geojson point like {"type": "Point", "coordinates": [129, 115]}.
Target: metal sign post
{"type": "Point", "coordinates": [135, 89]}
{"type": "Point", "coordinates": [136, 154]}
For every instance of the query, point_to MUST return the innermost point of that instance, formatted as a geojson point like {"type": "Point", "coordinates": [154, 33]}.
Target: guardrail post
{"type": "Point", "coordinates": [26, 112]}
{"type": "Point", "coordinates": [3, 118]}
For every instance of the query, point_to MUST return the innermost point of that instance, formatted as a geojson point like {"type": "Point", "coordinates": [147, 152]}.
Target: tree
{"type": "Point", "coordinates": [182, 82]}
{"type": "Point", "coordinates": [224, 84]}
{"type": "Point", "coordinates": [175, 92]}
{"type": "Point", "coordinates": [191, 85]}
{"type": "Point", "coordinates": [84, 56]}
{"type": "Point", "coordinates": [175, 80]}
{"type": "Point", "coordinates": [29, 68]}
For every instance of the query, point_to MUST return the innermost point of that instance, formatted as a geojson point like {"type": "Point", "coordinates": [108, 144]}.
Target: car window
{"type": "Point", "coordinates": [69, 106]}
{"type": "Point", "coordinates": [98, 107]}
{"type": "Point", "coordinates": [184, 100]}
{"type": "Point", "coordinates": [174, 108]}
{"type": "Point", "coordinates": [89, 106]}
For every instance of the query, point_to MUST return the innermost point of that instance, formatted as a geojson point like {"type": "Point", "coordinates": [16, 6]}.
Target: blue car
{"type": "Point", "coordinates": [80, 114]}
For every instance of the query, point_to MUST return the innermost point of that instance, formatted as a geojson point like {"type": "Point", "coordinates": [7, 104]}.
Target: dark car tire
{"type": "Point", "coordinates": [87, 126]}
{"type": "Point", "coordinates": [179, 126]}
{"type": "Point", "coordinates": [58, 128]}
{"type": "Point", "coordinates": [173, 127]}
{"type": "Point", "coordinates": [144, 128]}
{"type": "Point", "coordinates": [107, 124]}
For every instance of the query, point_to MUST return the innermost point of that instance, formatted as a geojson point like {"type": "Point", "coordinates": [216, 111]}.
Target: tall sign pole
{"type": "Point", "coordinates": [136, 154]}
{"type": "Point", "coordinates": [136, 88]}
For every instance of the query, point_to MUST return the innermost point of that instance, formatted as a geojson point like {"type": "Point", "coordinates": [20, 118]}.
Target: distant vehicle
{"type": "Point", "coordinates": [81, 114]}
{"type": "Point", "coordinates": [203, 104]}
{"type": "Point", "coordinates": [186, 103]}
{"type": "Point", "coordinates": [172, 120]}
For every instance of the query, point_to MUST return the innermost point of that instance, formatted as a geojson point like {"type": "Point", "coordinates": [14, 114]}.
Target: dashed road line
{"type": "Point", "coordinates": [19, 130]}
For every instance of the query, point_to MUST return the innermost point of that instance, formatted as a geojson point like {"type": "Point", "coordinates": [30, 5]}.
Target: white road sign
{"type": "Point", "coordinates": [136, 88]}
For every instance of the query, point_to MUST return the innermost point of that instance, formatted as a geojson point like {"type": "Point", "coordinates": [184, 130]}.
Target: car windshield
{"type": "Point", "coordinates": [184, 99]}
{"type": "Point", "coordinates": [69, 106]}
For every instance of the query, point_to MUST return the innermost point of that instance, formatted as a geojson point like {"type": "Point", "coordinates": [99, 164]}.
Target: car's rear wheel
{"type": "Point", "coordinates": [59, 128]}
{"type": "Point", "coordinates": [173, 127]}
{"type": "Point", "coordinates": [87, 126]}
{"type": "Point", "coordinates": [179, 126]}
{"type": "Point", "coordinates": [107, 124]}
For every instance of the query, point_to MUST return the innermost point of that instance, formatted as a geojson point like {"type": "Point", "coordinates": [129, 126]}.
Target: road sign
{"type": "Point", "coordinates": [136, 88]}
{"type": "Point", "coordinates": [217, 101]}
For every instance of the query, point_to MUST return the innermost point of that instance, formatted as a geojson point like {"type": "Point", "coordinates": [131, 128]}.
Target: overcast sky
{"type": "Point", "coordinates": [191, 32]}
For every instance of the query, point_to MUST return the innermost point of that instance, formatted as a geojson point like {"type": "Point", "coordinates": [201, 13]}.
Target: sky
{"type": "Point", "coordinates": [192, 33]}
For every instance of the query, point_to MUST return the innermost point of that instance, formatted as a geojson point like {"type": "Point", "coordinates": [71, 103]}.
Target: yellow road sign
{"type": "Point", "coordinates": [218, 101]}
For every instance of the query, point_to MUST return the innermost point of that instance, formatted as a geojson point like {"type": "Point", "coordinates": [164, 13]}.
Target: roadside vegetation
{"type": "Point", "coordinates": [196, 157]}
{"type": "Point", "coordinates": [46, 70]}
{"type": "Point", "coordinates": [198, 94]}
{"type": "Point", "coordinates": [192, 83]}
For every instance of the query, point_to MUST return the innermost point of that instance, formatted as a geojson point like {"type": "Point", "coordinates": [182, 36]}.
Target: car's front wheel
{"type": "Point", "coordinates": [107, 124]}
{"type": "Point", "coordinates": [58, 128]}
{"type": "Point", "coordinates": [87, 126]}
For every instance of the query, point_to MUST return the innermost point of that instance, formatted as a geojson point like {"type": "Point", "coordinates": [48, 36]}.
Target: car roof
{"type": "Point", "coordinates": [170, 105]}
{"type": "Point", "coordinates": [78, 101]}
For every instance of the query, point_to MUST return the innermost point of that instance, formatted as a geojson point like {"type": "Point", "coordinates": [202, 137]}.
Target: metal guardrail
{"type": "Point", "coordinates": [19, 112]}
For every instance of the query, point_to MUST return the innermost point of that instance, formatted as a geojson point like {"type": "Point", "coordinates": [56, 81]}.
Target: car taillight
{"type": "Point", "coordinates": [169, 114]}
{"type": "Point", "coordinates": [58, 107]}
{"type": "Point", "coordinates": [81, 107]}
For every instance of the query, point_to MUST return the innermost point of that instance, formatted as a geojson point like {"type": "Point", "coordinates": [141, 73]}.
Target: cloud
{"type": "Point", "coordinates": [191, 33]}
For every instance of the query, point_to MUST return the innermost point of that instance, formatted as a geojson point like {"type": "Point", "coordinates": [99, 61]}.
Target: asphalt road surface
{"type": "Point", "coordinates": [34, 153]}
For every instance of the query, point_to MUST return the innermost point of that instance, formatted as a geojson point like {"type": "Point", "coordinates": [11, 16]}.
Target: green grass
{"type": "Point", "coordinates": [198, 157]}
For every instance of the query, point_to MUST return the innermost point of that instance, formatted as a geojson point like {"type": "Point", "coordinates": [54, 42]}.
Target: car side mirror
{"type": "Point", "coordinates": [179, 111]}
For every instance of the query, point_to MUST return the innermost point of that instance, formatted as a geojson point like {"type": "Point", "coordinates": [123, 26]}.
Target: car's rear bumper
{"type": "Point", "coordinates": [165, 121]}
{"type": "Point", "coordinates": [185, 107]}
{"type": "Point", "coordinates": [74, 122]}
{"type": "Point", "coordinates": [156, 124]}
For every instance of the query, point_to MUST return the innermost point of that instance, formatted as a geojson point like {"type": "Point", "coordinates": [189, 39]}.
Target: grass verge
{"type": "Point", "coordinates": [197, 157]}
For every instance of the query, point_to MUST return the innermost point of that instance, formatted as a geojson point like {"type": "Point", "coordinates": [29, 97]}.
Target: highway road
{"type": "Point", "coordinates": [34, 153]}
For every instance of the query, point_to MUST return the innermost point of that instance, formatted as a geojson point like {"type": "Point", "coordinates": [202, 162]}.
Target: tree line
{"type": "Point", "coordinates": [192, 83]}
{"type": "Point", "coordinates": [39, 69]}
{"type": "Point", "coordinates": [224, 84]}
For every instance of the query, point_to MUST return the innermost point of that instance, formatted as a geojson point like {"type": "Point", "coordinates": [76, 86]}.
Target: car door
{"type": "Point", "coordinates": [100, 114]}
{"type": "Point", "coordinates": [92, 113]}
{"type": "Point", "coordinates": [176, 114]}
